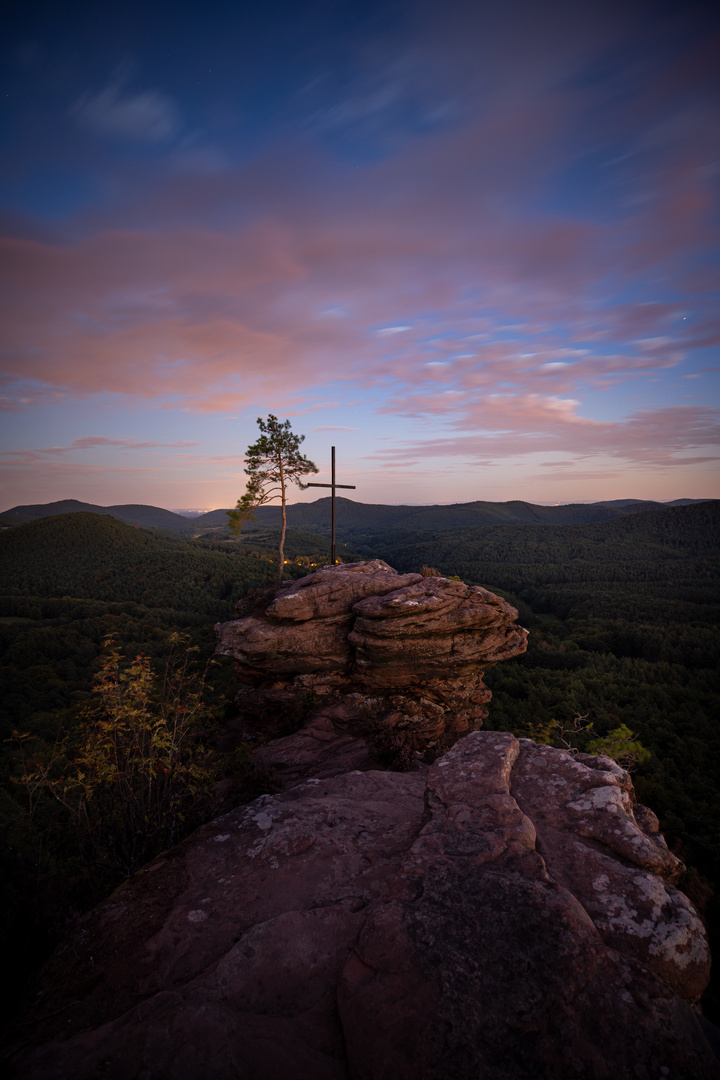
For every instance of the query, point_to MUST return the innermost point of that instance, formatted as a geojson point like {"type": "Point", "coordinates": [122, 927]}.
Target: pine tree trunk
{"type": "Point", "coordinates": [281, 553]}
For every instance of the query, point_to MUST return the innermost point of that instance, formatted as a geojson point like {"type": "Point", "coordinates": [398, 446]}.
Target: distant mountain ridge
{"type": "Point", "coordinates": [147, 517]}
{"type": "Point", "coordinates": [353, 515]}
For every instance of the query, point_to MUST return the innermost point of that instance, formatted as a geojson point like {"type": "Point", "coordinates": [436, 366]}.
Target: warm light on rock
{"type": "Point", "coordinates": [418, 646]}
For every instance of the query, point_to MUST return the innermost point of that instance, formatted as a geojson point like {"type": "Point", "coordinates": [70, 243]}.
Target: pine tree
{"type": "Point", "coordinates": [271, 463]}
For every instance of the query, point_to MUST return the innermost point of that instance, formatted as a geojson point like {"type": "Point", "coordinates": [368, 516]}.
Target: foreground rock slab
{"type": "Point", "coordinates": [410, 649]}
{"type": "Point", "coordinates": [506, 913]}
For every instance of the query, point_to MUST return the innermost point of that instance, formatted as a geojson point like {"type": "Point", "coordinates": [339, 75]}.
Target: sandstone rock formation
{"type": "Point", "coordinates": [412, 649]}
{"type": "Point", "coordinates": [506, 914]}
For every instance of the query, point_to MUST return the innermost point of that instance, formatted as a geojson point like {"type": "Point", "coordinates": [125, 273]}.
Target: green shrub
{"type": "Point", "coordinates": [137, 773]}
{"type": "Point", "coordinates": [621, 745]}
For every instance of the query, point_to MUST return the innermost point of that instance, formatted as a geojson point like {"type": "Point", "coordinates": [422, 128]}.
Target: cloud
{"type": "Point", "coordinates": [208, 319]}
{"type": "Point", "coordinates": [468, 293]}
{"type": "Point", "coordinates": [513, 427]}
{"type": "Point", "coordinates": [90, 442]}
{"type": "Point", "coordinates": [580, 475]}
{"type": "Point", "coordinates": [148, 116]}
{"type": "Point", "coordinates": [34, 456]}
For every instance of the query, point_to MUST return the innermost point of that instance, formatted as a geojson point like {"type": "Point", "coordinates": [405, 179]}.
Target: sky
{"type": "Point", "coordinates": [472, 245]}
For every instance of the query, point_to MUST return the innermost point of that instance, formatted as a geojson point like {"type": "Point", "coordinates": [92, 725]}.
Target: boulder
{"type": "Point", "coordinates": [411, 650]}
{"type": "Point", "coordinates": [507, 913]}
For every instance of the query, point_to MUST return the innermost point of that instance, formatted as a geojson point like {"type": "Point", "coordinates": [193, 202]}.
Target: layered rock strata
{"type": "Point", "coordinates": [410, 649]}
{"type": "Point", "coordinates": [506, 913]}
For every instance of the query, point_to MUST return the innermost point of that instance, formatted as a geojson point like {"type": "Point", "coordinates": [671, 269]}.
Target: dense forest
{"type": "Point", "coordinates": [623, 617]}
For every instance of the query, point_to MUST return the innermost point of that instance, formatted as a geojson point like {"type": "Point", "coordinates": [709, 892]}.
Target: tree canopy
{"type": "Point", "coordinates": [271, 463]}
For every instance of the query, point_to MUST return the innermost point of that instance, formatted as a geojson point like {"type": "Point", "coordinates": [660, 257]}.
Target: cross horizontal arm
{"type": "Point", "coordinates": [332, 485]}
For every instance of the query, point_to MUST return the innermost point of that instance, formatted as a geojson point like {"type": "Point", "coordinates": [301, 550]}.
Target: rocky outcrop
{"type": "Point", "coordinates": [506, 913]}
{"type": "Point", "coordinates": [410, 649]}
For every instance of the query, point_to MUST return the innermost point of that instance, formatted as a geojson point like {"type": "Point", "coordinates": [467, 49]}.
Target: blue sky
{"type": "Point", "coordinates": [474, 246]}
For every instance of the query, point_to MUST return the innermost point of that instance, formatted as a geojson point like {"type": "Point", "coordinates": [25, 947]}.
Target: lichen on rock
{"type": "Point", "coordinates": [444, 924]}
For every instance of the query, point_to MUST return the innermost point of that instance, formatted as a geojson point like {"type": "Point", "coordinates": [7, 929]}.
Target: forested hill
{"type": "Point", "coordinates": [693, 527]}
{"type": "Point", "coordinates": [90, 532]}
{"type": "Point", "coordinates": [96, 557]}
{"type": "Point", "coordinates": [357, 517]}
{"type": "Point", "coordinates": [630, 547]}
{"type": "Point", "coordinates": [352, 517]}
{"type": "Point", "coordinates": [148, 517]}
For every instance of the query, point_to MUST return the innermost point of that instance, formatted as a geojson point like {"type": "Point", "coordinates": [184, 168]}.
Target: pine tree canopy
{"type": "Point", "coordinates": [271, 463]}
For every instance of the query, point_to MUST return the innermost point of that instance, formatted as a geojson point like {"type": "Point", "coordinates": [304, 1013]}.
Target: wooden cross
{"type": "Point", "coordinates": [332, 485]}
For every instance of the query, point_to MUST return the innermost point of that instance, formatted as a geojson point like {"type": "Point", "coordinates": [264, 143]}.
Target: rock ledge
{"type": "Point", "coordinates": [411, 649]}
{"type": "Point", "coordinates": [507, 913]}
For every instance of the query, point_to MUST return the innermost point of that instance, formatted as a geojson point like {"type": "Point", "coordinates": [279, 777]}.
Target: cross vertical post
{"type": "Point", "coordinates": [332, 505]}
{"type": "Point", "coordinates": [332, 486]}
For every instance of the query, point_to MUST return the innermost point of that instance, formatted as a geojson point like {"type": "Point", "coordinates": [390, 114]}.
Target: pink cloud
{"type": "Point", "coordinates": [187, 320]}
{"type": "Point", "coordinates": [513, 427]}
{"type": "Point", "coordinates": [511, 312]}
{"type": "Point", "coordinates": [90, 442]}
{"type": "Point", "coordinates": [59, 454]}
